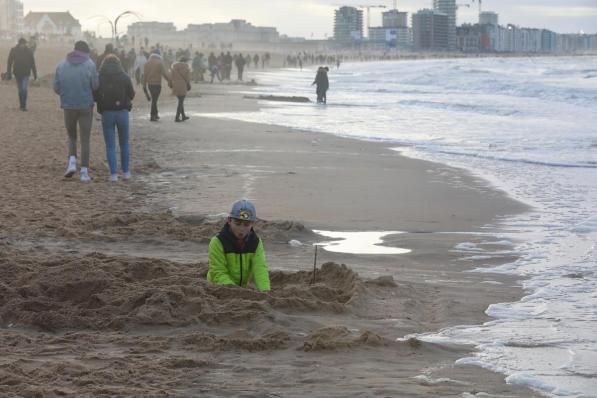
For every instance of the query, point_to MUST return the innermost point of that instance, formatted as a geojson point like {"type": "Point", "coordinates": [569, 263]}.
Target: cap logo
{"type": "Point", "coordinates": [244, 215]}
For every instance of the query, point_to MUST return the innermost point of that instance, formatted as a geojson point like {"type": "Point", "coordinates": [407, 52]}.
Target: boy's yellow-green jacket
{"type": "Point", "coordinates": [231, 265]}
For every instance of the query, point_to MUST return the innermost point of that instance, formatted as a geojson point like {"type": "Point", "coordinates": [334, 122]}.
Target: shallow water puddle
{"type": "Point", "coordinates": [359, 242]}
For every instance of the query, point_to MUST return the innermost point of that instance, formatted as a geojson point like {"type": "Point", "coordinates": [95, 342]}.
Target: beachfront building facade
{"type": "Point", "coordinates": [449, 8]}
{"type": "Point", "coordinates": [469, 38]}
{"type": "Point", "coordinates": [577, 43]}
{"type": "Point", "coordinates": [400, 38]}
{"type": "Point", "coordinates": [11, 18]}
{"type": "Point", "coordinates": [52, 25]}
{"type": "Point", "coordinates": [430, 31]}
{"type": "Point", "coordinates": [154, 31]}
{"type": "Point", "coordinates": [348, 24]}
{"type": "Point", "coordinates": [491, 37]}
{"type": "Point", "coordinates": [235, 31]}
{"type": "Point", "coordinates": [394, 32]}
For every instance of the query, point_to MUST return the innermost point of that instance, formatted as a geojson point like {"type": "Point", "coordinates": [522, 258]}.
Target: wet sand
{"type": "Point", "coordinates": [103, 290]}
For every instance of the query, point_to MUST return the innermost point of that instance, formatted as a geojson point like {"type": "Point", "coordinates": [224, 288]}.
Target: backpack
{"type": "Point", "coordinates": [112, 93]}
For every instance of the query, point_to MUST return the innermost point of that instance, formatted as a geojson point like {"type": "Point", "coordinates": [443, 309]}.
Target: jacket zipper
{"type": "Point", "coordinates": [241, 270]}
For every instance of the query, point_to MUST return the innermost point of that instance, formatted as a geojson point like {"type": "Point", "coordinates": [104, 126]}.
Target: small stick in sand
{"type": "Point", "coordinates": [314, 266]}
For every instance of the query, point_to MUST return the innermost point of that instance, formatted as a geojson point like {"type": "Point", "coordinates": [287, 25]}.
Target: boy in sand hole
{"type": "Point", "coordinates": [236, 254]}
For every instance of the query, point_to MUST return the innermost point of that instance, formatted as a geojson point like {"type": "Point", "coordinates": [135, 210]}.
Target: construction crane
{"type": "Point", "coordinates": [367, 8]}
{"type": "Point", "coordinates": [480, 5]}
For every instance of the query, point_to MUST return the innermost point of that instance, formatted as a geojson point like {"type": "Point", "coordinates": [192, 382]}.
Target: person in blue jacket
{"type": "Point", "coordinates": [75, 80]}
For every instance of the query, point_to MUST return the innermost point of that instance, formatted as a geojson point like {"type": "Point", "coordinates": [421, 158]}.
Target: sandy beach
{"type": "Point", "coordinates": [104, 293]}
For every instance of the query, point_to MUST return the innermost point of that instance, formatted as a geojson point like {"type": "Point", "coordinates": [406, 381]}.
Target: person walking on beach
{"type": "Point", "coordinates": [214, 67]}
{"type": "Point", "coordinates": [108, 49]}
{"type": "Point", "coordinates": [236, 254]}
{"type": "Point", "coordinates": [75, 79]}
{"type": "Point", "coordinates": [181, 78]}
{"type": "Point", "coordinates": [227, 65]}
{"type": "Point", "coordinates": [153, 71]}
{"type": "Point", "coordinates": [198, 67]}
{"type": "Point", "coordinates": [21, 64]}
{"type": "Point", "coordinates": [240, 66]}
{"type": "Point", "coordinates": [323, 84]}
{"type": "Point", "coordinates": [140, 61]}
{"type": "Point", "coordinates": [114, 96]}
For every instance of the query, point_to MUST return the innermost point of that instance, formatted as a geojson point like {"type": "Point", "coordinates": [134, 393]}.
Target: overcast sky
{"type": "Point", "coordinates": [314, 18]}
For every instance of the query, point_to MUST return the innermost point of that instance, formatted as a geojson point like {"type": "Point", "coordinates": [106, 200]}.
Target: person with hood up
{"type": "Point", "coordinates": [75, 79]}
{"type": "Point", "coordinates": [21, 63]}
{"type": "Point", "coordinates": [114, 96]}
{"type": "Point", "coordinates": [323, 84]}
{"type": "Point", "coordinates": [181, 84]}
{"type": "Point", "coordinates": [236, 255]}
{"type": "Point", "coordinates": [153, 71]}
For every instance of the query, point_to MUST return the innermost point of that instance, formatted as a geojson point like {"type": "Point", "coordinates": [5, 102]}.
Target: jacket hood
{"type": "Point", "coordinates": [155, 56]}
{"type": "Point", "coordinates": [111, 68]}
{"type": "Point", "coordinates": [77, 57]}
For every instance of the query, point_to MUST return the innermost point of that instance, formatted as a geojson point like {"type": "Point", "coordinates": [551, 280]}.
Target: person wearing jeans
{"type": "Point", "coordinates": [75, 79]}
{"type": "Point", "coordinates": [153, 71]}
{"type": "Point", "coordinates": [21, 64]}
{"type": "Point", "coordinates": [82, 117]}
{"type": "Point", "coordinates": [22, 87]}
{"type": "Point", "coordinates": [114, 101]}
{"type": "Point", "coordinates": [112, 121]}
{"type": "Point", "coordinates": [154, 91]}
{"type": "Point", "coordinates": [181, 76]}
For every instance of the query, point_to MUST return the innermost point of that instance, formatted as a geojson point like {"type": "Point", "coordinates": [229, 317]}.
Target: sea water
{"type": "Point", "coordinates": [529, 127]}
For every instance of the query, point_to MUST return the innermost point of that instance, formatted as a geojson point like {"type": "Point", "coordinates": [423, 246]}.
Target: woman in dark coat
{"type": "Point", "coordinates": [114, 102]}
{"type": "Point", "coordinates": [323, 84]}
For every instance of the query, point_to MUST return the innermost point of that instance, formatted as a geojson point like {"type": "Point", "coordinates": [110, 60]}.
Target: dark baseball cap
{"type": "Point", "coordinates": [243, 210]}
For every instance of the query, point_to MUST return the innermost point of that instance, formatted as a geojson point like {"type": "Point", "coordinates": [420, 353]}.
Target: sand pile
{"type": "Point", "coordinates": [99, 292]}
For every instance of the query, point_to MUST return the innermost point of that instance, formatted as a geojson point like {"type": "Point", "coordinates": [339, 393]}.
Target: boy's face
{"type": "Point", "coordinates": [240, 228]}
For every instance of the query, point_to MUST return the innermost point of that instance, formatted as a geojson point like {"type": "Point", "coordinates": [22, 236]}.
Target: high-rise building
{"type": "Point", "coordinates": [391, 37]}
{"type": "Point", "coordinates": [394, 32]}
{"type": "Point", "coordinates": [430, 30]}
{"type": "Point", "coordinates": [348, 24]}
{"type": "Point", "coordinates": [488, 18]}
{"type": "Point", "coordinates": [11, 17]}
{"type": "Point", "coordinates": [449, 8]}
{"type": "Point", "coordinates": [394, 19]}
